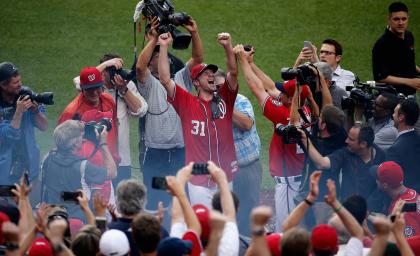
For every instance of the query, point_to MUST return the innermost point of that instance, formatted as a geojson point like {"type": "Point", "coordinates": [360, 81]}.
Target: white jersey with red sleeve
{"type": "Point", "coordinates": [206, 138]}
{"type": "Point", "coordinates": [412, 219]}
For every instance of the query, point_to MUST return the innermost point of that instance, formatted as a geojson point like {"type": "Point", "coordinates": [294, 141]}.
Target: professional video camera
{"type": "Point", "coordinates": [43, 98]}
{"type": "Point", "coordinates": [168, 21]}
{"type": "Point", "coordinates": [303, 74]}
{"type": "Point", "coordinates": [126, 74]}
{"type": "Point", "coordinates": [92, 126]}
{"type": "Point", "coordinates": [364, 95]}
{"type": "Point", "coordinates": [289, 133]}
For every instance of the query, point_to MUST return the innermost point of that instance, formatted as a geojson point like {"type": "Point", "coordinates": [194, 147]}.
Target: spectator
{"type": "Point", "coordinates": [390, 177]}
{"type": "Point", "coordinates": [353, 160]}
{"type": "Point", "coordinates": [23, 153]}
{"type": "Point", "coordinates": [63, 169]}
{"type": "Point", "coordinates": [402, 151]}
{"type": "Point", "coordinates": [381, 122]}
{"type": "Point", "coordinates": [393, 59]}
{"type": "Point", "coordinates": [295, 242]}
{"type": "Point", "coordinates": [286, 160]}
{"type": "Point", "coordinates": [131, 199]}
{"type": "Point", "coordinates": [86, 241]}
{"type": "Point", "coordinates": [114, 243]}
{"type": "Point", "coordinates": [207, 122]}
{"type": "Point", "coordinates": [129, 103]}
{"type": "Point", "coordinates": [146, 233]}
{"type": "Point", "coordinates": [164, 154]}
{"type": "Point", "coordinates": [247, 181]}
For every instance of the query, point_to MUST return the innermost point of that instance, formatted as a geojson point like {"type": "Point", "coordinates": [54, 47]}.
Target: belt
{"type": "Point", "coordinates": [297, 178]}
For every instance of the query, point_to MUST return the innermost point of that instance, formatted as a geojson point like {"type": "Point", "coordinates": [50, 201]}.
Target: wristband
{"type": "Point", "coordinates": [123, 93]}
{"type": "Point", "coordinates": [308, 202]}
{"type": "Point", "coordinates": [338, 208]}
{"type": "Point", "coordinates": [12, 246]}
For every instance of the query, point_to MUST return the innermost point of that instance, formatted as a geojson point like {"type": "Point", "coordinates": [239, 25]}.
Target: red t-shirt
{"type": "Point", "coordinates": [207, 139]}
{"type": "Point", "coordinates": [279, 153]}
{"type": "Point", "coordinates": [412, 219]}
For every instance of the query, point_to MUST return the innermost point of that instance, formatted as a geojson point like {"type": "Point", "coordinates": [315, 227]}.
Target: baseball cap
{"type": "Point", "coordinates": [198, 69]}
{"type": "Point", "coordinates": [390, 173]}
{"type": "Point", "coordinates": [114, 243]}
{"type": "Point", "coordinates": [273, 241]}
{"type": "Point", "coordinates": [7, 70]}
{"type": "Point", "coordinates": [173, 246]}
{"type": "Point", "coordinates": [40, 247]}
{"type": "Point", "coordinates": [11, 211]}
{"type": "Point", "coordinates": [324, 238]}
{"type": "Point", "coordinates": [90, 78]}
{"type": "Point", "coordinates": [203, 216]}
{"type": "Point", "coordinates": [3, 218]}
{"type": "Point", "coordinates": [288, 87]}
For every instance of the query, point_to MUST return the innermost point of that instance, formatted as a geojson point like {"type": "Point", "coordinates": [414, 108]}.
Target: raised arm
{"type": "Point", "coordinates": [267, 82]}
{"type": "Point", "coordinates": [321, 162]}
{"type": "Point", "coordinates": [294, 114]}
{"type": "Point", "coordinates": [225, 40]}
{"type": "Point", "coordinates": [109, 162]}
{"type": "Point", "coordinates": [253, 82]}
{"type": "Point", "coordinates": [197, 54]}
{"type": "Point", "coordinates": [142, 70]}
{"type": "Point", "coordinates": [164, 71]}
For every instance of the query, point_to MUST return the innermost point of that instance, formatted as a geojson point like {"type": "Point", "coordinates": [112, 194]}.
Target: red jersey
{"type": "Point", "coordinates": [106, 108]}
{"type": "Point", "coordinates": [289, 154]}
{"type": "Point", "coordinates": [412, 219]}
{"type": "Point", "coordinates": [206, 138]}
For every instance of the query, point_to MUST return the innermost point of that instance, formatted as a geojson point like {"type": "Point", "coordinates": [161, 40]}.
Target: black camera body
{"type": "Point", "coordinates": [289, 133]}
{"type": "Point", "coordinates": [168, 21]}
{"type": "Point", "coordinates": [46, 98]}
{"type": "Point", "coordinates": [124, 73]}
{"type": "Point", "coordinates": [303, 74]}
{"type": "Point", "coordinates": [93, 126]}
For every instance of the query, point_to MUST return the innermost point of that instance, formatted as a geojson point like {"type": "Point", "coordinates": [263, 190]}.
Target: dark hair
{"type": "Point", "coordinates": [391, 101]}
{"type": "Point", "coordinates": [295, 242]}
{"type": "Point", "coordinates": [410, 110]}
{"type": "Point", "coordinates": [86, 241]}
{"type": "Point", "coordinates": [397, 7]}
{"type": "Point", "coordinates": [109, 56]}
{"type": "Point", "coordinates": [146, 232]}
{"type": "Point", "coordinates": [323, 253]}
{"type": "Point", "coordinates": [333, 118]}
{"type": "Point", "coordinates": [357, 206]}
{"type": "Point", "coordinates": [366, 133]}
{"type": "Point", "coordinates": [337, 45]}
{"type": "Point", "coordinates": [216, 204]}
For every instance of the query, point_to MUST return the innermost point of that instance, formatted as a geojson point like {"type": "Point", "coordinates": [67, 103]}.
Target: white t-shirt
{"type": "Point", "coordinates": [353, 248]}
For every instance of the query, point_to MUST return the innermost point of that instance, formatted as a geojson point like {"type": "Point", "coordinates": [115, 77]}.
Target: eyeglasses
{"type": "Point", "coordinates": [326, 52]}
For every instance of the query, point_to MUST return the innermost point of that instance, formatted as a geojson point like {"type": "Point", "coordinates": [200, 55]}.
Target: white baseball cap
{"type": "Point", "coordinates": [114, 243]}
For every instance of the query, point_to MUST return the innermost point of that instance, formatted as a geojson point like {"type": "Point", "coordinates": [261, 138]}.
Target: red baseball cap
{"type": "Point", "coordinates": [390, 173]}
{"type": "Point", "coordinates": [288, 87]}
{"type": "Point", "coordinates": [203, 216]}
{"type": "Point", "coordinates": [198, 69]}
{"type": "Point", "coordinates": [324, 238]}
{"type": "Point", "coordinates": [3, 218]}
{"type": "Point", "coordinates": [273, 241]}
{"type": "Point", "coordinates": [40, 247]}
{"type": "Point", "coordinates": [90, 78]}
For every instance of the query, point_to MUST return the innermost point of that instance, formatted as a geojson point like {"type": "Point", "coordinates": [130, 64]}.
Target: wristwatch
{"type": "Point", "coordinates": [258, 231]}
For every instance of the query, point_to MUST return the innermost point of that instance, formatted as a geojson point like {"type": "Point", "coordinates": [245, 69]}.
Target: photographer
{"type": "Point", "coordinates": [286, 160]}
{"type": "Point", "coordinates": [381, 122]}
{"type": "Point", "coordinates": [129, 103]}
{"type": "Point", "coordinates": [23, 154]}
{"type": "Point", "coordinates": [63, 170]}
{"type": "Point", "coordinates": [354, 160]}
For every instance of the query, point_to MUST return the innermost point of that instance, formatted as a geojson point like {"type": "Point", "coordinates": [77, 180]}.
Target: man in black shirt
{"type": "Point", "coordinates": [393, 59]}
{"type": "Point", "coordinates": [354, 161]}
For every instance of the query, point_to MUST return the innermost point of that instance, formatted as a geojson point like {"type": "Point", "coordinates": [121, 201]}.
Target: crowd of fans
{"type": "Point", "coordinates": [345, 162]}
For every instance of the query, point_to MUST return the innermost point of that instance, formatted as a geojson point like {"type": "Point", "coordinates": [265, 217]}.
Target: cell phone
{"type": "Point", "coordinates": [26, 178]}
{"type": "Point", "coordinates": [247, 47]}
{"type": "Point", "coordinates": [70, 196]}
{"type": "Point", "coordinates": [409, 207]}
{"type": "Point", "coordinates": [159, 183]}
{"type": "Point", "coordinates": [307, 44]}
{"type": "Point", "coordinates": [200, 169]}
{"type": "Point", "coordinates": [101, 223]}
{"type": "Point", "coordinates": [6, 190]}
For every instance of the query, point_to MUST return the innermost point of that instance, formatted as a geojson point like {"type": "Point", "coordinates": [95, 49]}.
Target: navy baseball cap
{"type": "Point", "coordinates": [172, 246]}
{"type": "Point", "coordinates": [7, 70]}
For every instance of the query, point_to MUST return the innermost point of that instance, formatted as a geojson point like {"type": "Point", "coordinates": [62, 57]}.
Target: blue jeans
{"type": "Point", "coordinates": [160, 163]}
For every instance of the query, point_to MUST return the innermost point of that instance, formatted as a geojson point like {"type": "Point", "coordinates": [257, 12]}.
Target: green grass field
{"type": "Point", "coordinates": [51, 41]}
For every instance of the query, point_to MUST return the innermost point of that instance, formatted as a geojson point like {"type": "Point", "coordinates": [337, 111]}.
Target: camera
{"type": "Point", "coordinates": [168, 21]}
{"type": "Point", "coordinates": [124, 73]}
{"type": "Point", "coordinates": [43, 98]}
{"type": "Point", "coordinates": [364, 95]}
{"type": "Point", "coordinates": [289, 133]}
{"type": "Point", "coordinates": [93, 126]}
{"type": "Point", "coordinates": [303, 74]}
{"type": "Point", "coordinates": [247, 47]}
